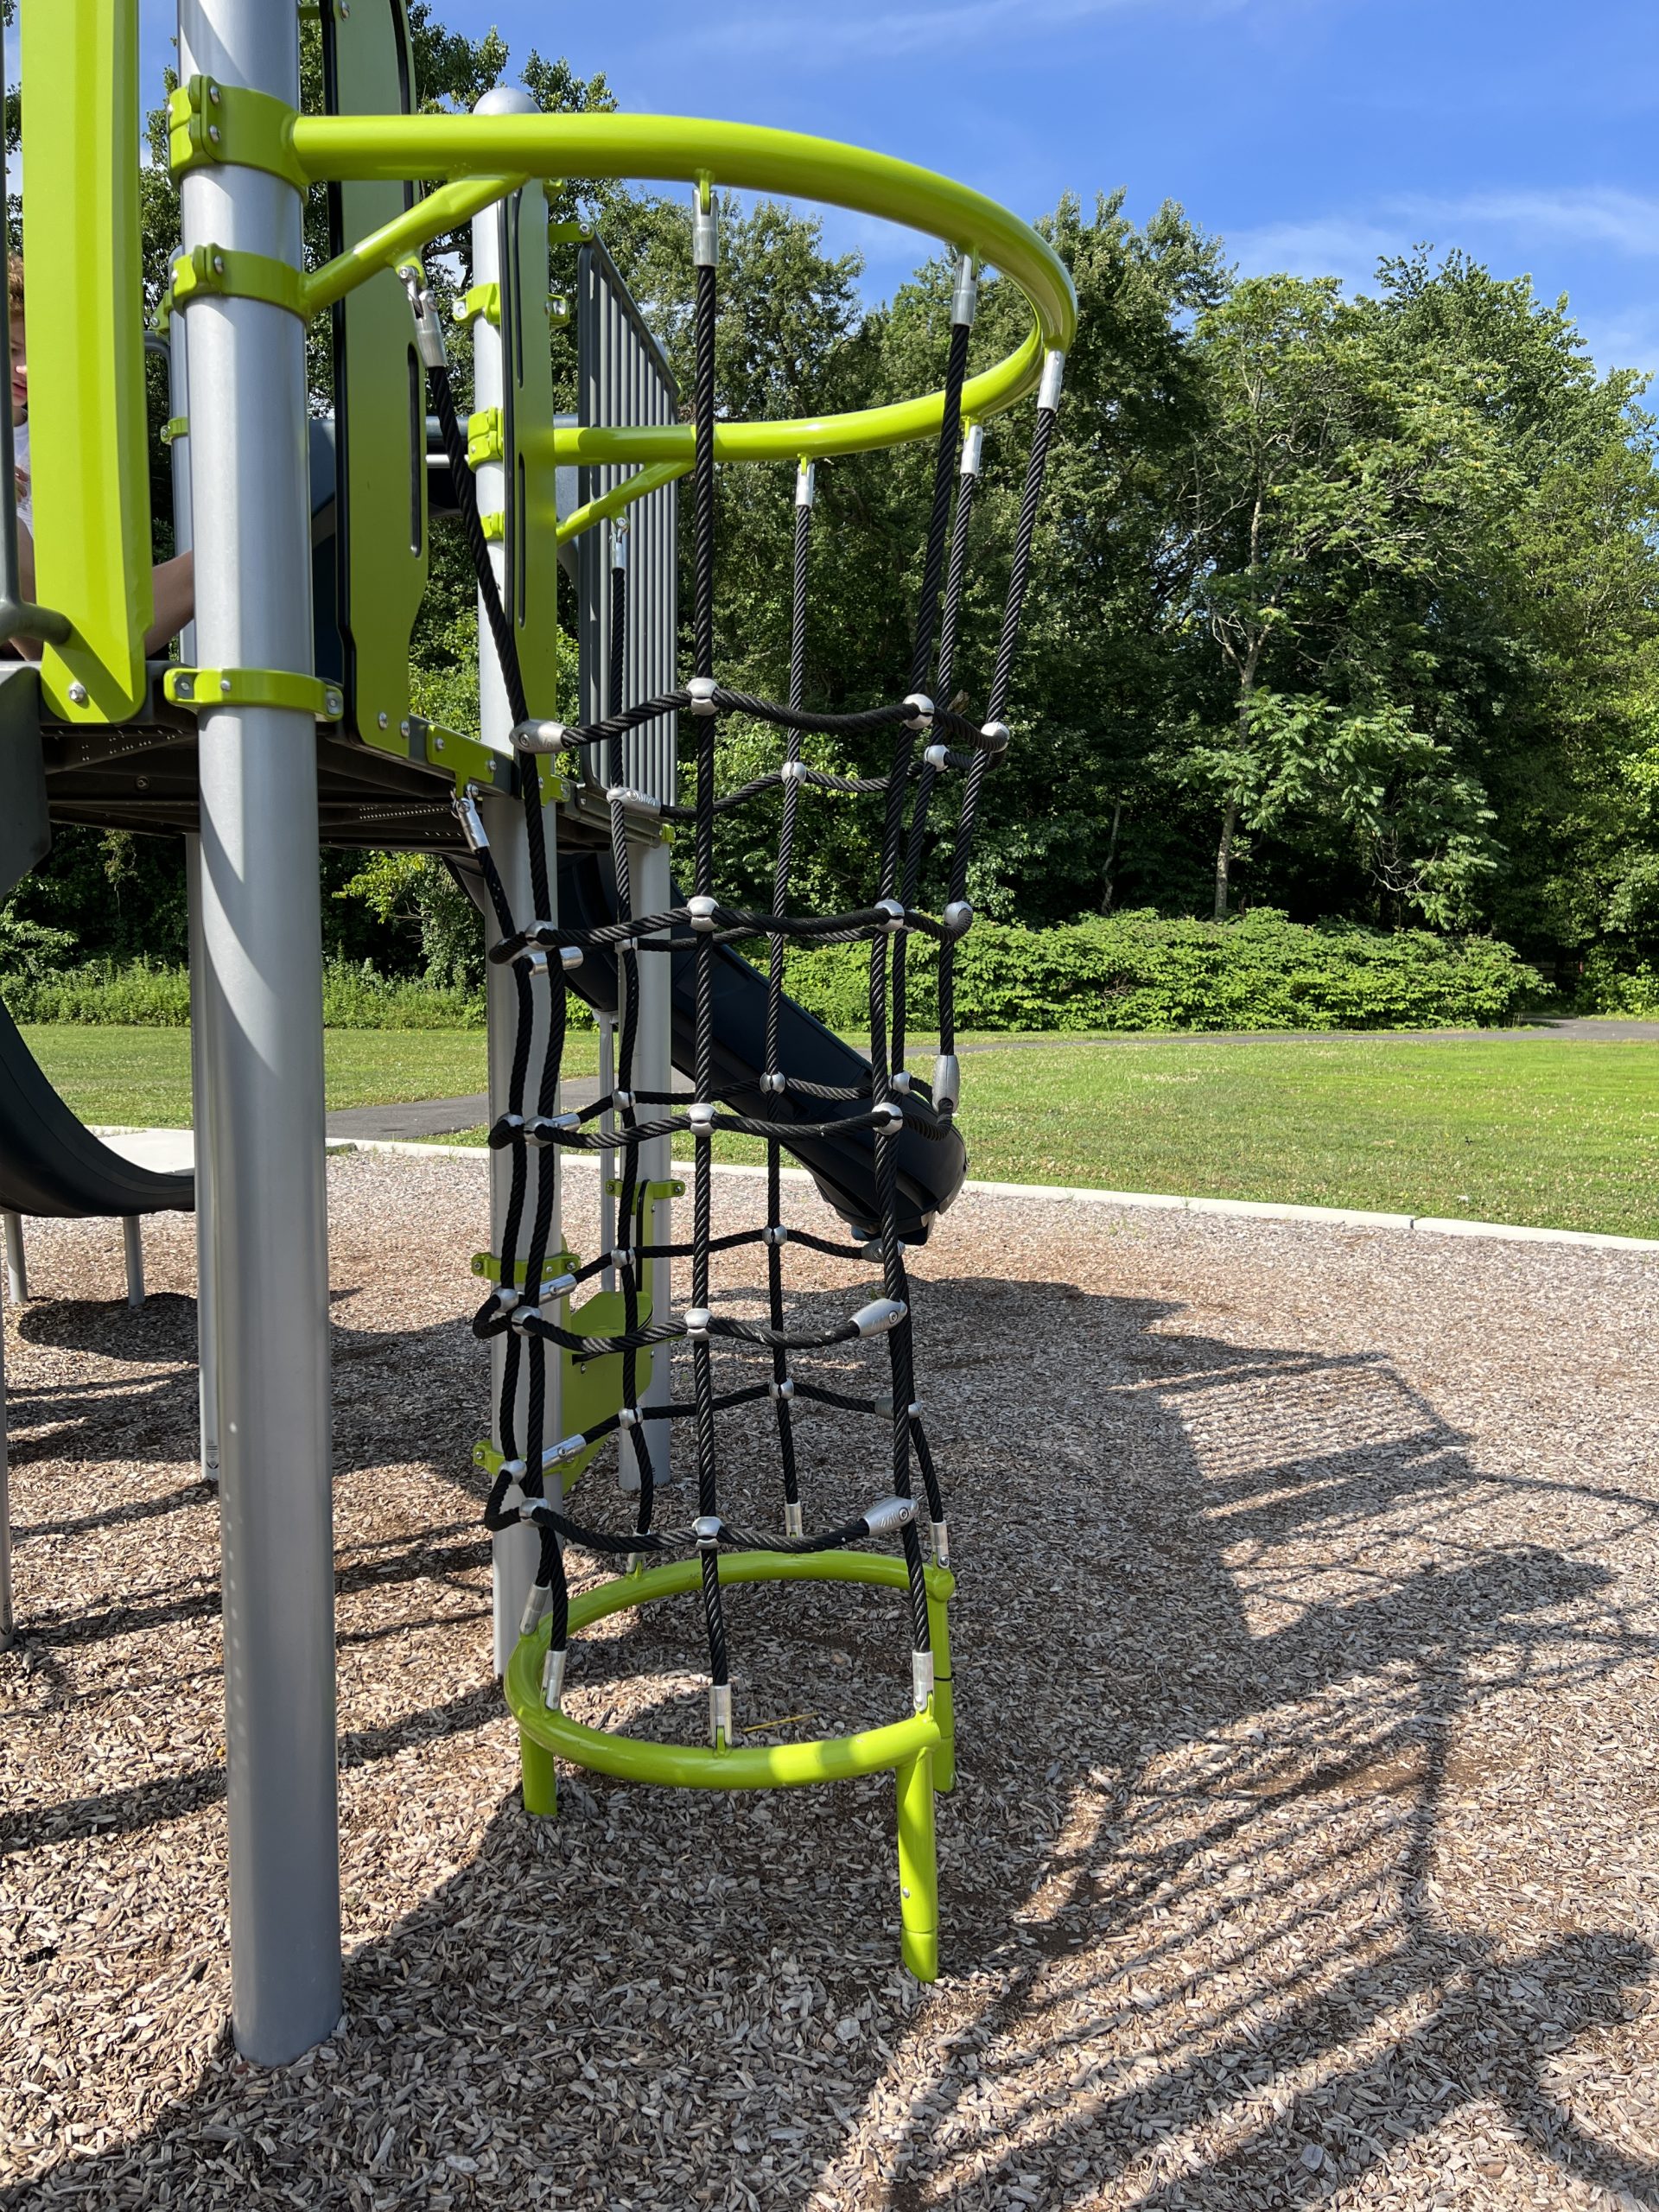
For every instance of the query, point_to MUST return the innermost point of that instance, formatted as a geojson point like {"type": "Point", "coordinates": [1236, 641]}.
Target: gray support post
{"type": "Point", "coordinates": [8, 1617]}
{"type": "Point", "coordinates": [202, 1019]}
{"type": "Point", "coordinates": [512, 1551]}
{"type": "Point", "coordinates": [16, 1260]}
{"type": "Point", "coordinates": [262, 972]}
{"type": "Point", "coordinates": [132, 1238]}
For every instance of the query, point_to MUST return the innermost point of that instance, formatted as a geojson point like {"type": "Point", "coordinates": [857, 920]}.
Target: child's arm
{"type": "Point", "coordinates": [176, 600]}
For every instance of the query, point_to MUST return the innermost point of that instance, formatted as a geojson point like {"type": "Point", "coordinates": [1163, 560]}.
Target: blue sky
{"type": "Point", "coordinates": [1312, 134]}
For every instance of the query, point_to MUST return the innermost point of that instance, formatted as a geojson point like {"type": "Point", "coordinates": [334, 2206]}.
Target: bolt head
{"type": "Point", "coordinates": [384, 719]}
{"type": "Point", "coordinates": [224, 687]}
{"type": "Point", "coordinates": [402, 726]}
{"type": "Point", "coordinates": [213, 91]}
{"type": "Point", "coordinates": [213, 134]}
{"type": "Point", "coordinates": [78, 695]}
{"type": "Point", "coordinates": [185, 689]}
{"type": "Point", "coordinates": [438, 744]}
{"type": "Point", "coordinates": [332, 701]}
{"type": "Point", "coordinates": [218, 265]}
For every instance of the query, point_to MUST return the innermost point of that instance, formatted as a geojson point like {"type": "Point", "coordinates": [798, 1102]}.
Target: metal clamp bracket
{"type": "Point", "coordinates": [488, 1265]}
{"type": "Point", "coordinates": [494, 528]}
{"type": "Point", "coordinates": [483, 300]}
{"type": "Point", "coordinates": [175, 427]}
{"type": "Point", "coordinates": [486, 436]}
{"type": "Point", "coordinates": [222, 273]}
{"type": "Point", "coordinates": [198, 689]}
{"type": "Point", "coordinates": [470, 762]}
{"type": "Point", "coordinates": [209, 123]}
{"type": "Point", "coordinates": [672, 1188]}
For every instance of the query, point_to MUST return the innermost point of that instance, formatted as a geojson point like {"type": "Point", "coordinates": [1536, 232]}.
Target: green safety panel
{"type": "Point", "coordinates": [86, 354]}
{"type": "Point", "coordinates": [531, 519]}
{"type": "Point", "coordinates": [379, 397]}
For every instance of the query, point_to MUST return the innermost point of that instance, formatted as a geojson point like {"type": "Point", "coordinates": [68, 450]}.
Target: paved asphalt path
{"type": "Point", "coordinates": [424, 1118]}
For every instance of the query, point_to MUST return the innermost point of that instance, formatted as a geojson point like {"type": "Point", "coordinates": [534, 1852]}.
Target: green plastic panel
{"type": "Point", "coordinates": [380, 402]}
{"type": "Point", "coordinates": [86, 354]}
{"type": "Point", "coordinates": [533, 553]}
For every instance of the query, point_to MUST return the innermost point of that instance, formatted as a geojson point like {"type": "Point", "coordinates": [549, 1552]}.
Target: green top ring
{"type": "Point", "coordinates": [679, 149]}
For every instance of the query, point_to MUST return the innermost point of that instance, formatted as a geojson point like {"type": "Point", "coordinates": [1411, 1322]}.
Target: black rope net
{"type": "Point", "coordinates": [888, 1101]}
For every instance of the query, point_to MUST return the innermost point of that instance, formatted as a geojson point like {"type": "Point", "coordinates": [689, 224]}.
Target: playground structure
{"type": "Point", "coordinates": [276, 729]}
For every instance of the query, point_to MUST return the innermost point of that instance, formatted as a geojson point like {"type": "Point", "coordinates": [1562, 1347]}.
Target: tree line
{"type": "Point", "coordinates": [1342, 606]}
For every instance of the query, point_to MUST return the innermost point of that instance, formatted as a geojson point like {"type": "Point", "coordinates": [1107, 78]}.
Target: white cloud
{"type": "Point", "coordinates": [1324, 245]}
{"type": "Point", "coordinates": [1591, 215]}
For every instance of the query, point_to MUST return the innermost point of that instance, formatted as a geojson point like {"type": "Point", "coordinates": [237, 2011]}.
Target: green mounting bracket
{"type": "Point", "coordinates": [198, 689]}
{"type": "Point", "coordinates": [175, 427]}
{"type": "Point", "coordinates": [558, 308]}
{"type": "Point", "coordinates": [486, 437]}
{"type": "Point", "coordinates": [219, 271]}
{"type": "Point", "coordinates": [487, 1266]}
{"type": "Point", "coordinates": [483, 300]}
{"type": "Point", "coordinates": [673, 1188]}
{"type": "Point", "coordinates": [494, 528]}
{"type": "Point", "coordinates": [209, 123]}
{"type": "Point", "coordinates": [469, 762]}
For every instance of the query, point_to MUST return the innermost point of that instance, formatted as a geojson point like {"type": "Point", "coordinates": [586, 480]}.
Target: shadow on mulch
{"type": "Point", "coordinates": [1093, 1693]}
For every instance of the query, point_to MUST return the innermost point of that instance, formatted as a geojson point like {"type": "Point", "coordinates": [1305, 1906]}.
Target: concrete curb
{"type": "Point", "coordinates": [1150, 1201]}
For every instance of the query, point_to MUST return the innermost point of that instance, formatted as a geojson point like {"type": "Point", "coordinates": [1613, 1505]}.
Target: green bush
{"type": "Point", "coordinates": [1605, 986]}
{"type": "Point", "coordinates": [1134, 972]}
{"type": "Point", "coordinates": [151, 997]}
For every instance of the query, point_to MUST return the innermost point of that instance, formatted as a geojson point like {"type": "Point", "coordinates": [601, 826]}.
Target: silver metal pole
{"type": "Point", "coordinates": [7, 1617]}
{"type": "Point", "coordinates": [16, 1260]}
{"type": "Point", "coordinates": [512, 1551]}
{"type": "Point", "coordinates": [201, 1020]}
{"type": "Point", "coordinates": [132, 1236]}
{"type": "Point", "coordinates": [262, 969]}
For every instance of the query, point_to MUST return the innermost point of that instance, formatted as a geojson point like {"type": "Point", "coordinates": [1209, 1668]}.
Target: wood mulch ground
{"type": "Point", "coordinates": [1306, 1849]}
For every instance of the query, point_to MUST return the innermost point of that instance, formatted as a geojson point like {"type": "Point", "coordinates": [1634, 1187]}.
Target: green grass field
{"type": "Point", "coordinates": [1556, 1133]}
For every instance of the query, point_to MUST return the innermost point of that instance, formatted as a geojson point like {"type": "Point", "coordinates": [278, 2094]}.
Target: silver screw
{"type": "Point", "coordinates": [78, 695]}
{"type": "Point", "coordinates": [225, 686]}
{"type": "Point", "coordinates": [218, 265]}
{"type": "Point", "coordinates": [402, 726]}
{"type": "Point", "coordinates": [186, 689]}
{"type": "Point", "coordinates": [438, 742]}
{"type": "Point", "coordinates": [213, 91]}
{"type": "Point", "coordinates": [213, 134]}
{"type": "Point", "coordinates": [384, 720]}
{"type": "Point", "coordinates": [332, 701]}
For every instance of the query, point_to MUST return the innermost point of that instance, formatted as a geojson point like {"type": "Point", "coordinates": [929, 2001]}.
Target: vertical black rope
{"type": "Point", "coordinates": [703, 725]}
{"type": "Point", "coordinates": [996, 705]}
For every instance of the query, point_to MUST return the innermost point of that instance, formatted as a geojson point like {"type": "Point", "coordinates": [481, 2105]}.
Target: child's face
{"type": "Point", "coordinates": [19, 367]}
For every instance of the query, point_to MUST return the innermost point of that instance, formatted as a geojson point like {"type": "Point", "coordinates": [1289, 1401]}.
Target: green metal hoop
{"type": "Point", "coordinates": [678, 149]}
{"type": "Point", "coordinates": [920, 1750]}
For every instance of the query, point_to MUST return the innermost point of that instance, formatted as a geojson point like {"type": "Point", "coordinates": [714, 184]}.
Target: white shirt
{"type": "Point", "coordinates": [25, 481]}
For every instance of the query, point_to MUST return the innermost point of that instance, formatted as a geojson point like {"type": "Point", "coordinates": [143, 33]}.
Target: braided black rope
{"type": "Point", "coordinates": [528, 1310]}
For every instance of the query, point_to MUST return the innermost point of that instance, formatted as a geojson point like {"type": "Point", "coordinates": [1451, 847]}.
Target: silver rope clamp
{"type": "Point", "coordinates": [775, 1236]}
{"type": "Point", "coordinates": [921, 1679]}
{"type": "Point", "coordinates": [553, 1669]}
{"type": "Point", "coordinates": [921, 710]}
{"type": "Point", "coordinates": [428, 328]}
{"type": "Point", "coordinates": [774, 1084]}
{"type": "Point", "coordinates": [941, 1544]}
{"type": "Point", "coordinates": [705, 228]}
{"type": "Point", "coordinates": [634, 802]}
{"type": "Point", "coordinates": [996, 735]}
{"type": "Point", "coordinates": [781, 1393]}
{"type": "Point", "coordinates": [806, 483]}
{"type": "Point", "coordinates": [540, 737]}
{"type": "Point", "coordinates": [700, 1119]}
{"type": "Point", "coordinates": [947, 1081]}
{"type": "Point", "coordinates": [894, 913]}
{"type": "Point", "coordinates": [794, 772]}
{"type": "Point", "coordinates": [472, 820]}
{"type": "Point", "coordinates": [958, 918]}
{"type": "Point", "coordinates": [709, 1528]}
{"type": "Point", "coordinates": [620, 543]}
{"type": "Point", "coordinates": [540, 1598]}
{"type": "Point", "coordinates": [973, 448]}
{"type": "Point", "coordinates": [794, 1517]}
{"type": "Point", "coordinates": [879, 1316]}
{"type": "Point", "coordinates": [893, 1126]}
{"type": "Point", "coordinates": [900, 1081]}
{"type": "Point", "coordinates": [720, 1714]}
{"type": "Point", "coordinates": [1048, 391]}
{"type": "Point", "coordinates": [623, 1101]}
{"type": "Point", "coordinates": [702, 690]}
{"type": "Point", "coordinates": [628, 1416]}
{"type": "Point", "coordinates": [694, 1322]}
{"type": "Point", "coordinates": [546, 1127]}
{"type": "Point", "coordinates": [570, 955]}
{"type": "Point", "coordinates": [938, 756]}
{"type": "Point", "coordinates": [551, 1293]}
{"type": "Point", "coordinates": [888, 1515]}
{"type": "Point", "coordinates": [964, 300]}
{"type": "Point", "coordinates": [702, 912]}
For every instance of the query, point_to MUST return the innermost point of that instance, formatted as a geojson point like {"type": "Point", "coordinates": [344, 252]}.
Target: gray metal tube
{"type": "Point", "coordinates": [132, 1237]}
{"type": "Point", "coordinates": [202, 1018]}
{"type": "Point", "coordinates": [7, 1617]}
{"type": "Point", "coordinates": [512, 1551]}
{"type": "Point", "coordinates": [262, 969]}
{"type": "Point", "coordinates": [16, 1260]}
{"type": "Point", "coordinates": [649, 868]}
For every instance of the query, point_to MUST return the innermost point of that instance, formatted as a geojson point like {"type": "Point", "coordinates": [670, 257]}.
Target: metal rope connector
{"type": "Point", "coordinates": [781, 1393]}
{"type": "Point", "coordinates": [996, 735]}
{"type": "Point", "coordinates": [705, 228]}
{"type": "Point", "coordinates": [628, 1416]}
{"type": "Point", "coordinates": [428, 328]}
{"type": "Point", "coordinates": [709, 1528]}
{"type": "Point", "coordinates": [947, 1083]}
{"type": "Point", "coordinates": [540, 737]}
{"type": "Point", "coordinates": [894, 912]}
{"type": "Point", "coordinates": [702, 690]}
{"type": "Point", "coordinates": [888, 1515]}
{"type": "Point", "coordinates": [958, 918]}
{"type": "Point", "coordinates": [806, 483]}
{"type": "Point", "coordinates": [720, 1714]}
{"type": "Point", "coordinates": [900, 1080]}
{"type": "Point", "coordinates": [773, 1083]}
{"type": "Point", "coordinates": [540, 1598]}
{"type": "Point", "coordinates": [634, 802]}
{"type": "Point", "coordinates": [938, 756]}
{"type": "Point", "coordinates": [1048, 391]}
{"type": "Point", "coordinates": [879, 1316]}
{"type": "Point", "coordinates": [964, 300]}
{"type": "Point", "coordinates": [700, 1119]}
{"type": "Point", "coordinates": [694, 1320]}
{"type": "Point", "coordinates": [794, 1517]}
{"type": "Point", "coordinates": [973, 448]}
{"type": "Point", "coordinates": [775, 1235]}
{"type": "Point", "coordinates": [941, 1544]}
{"type": "Point", "coordinates": [921, 1679]}
{"type": "Point", "coordinates": [553, 1669]}
{"type": "Point", "coordinates": [702, 912]}
{"type": "Point", "coordinates": [472, 820]}
{"type": "Point", "coordinates": [921, 710]}
{"type": "Point", "coordinates": [546, 1128]}
{"type": "Point", "coordinates": [620, 543]}
{"type": "Point", "coordinates": [795, 771]}
{"type": "Point", "coordinates": [893, 1126]}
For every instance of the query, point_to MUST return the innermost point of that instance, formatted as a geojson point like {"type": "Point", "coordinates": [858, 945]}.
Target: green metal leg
{"type": "Point", "coordinates": [919, 1876]}
{"type": "Point", "coordinates": [938, 1634]}
{"type": "Point", "coordinates": [541, 1776]}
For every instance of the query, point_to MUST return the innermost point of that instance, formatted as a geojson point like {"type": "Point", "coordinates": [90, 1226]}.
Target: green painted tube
{"type": "Point", "coordinates": [540, 1775]}
{"type": "Point", "coordinates": [747, 157]}
{"type": "Point", "coordinates": [939, 1635]}
{"type": "Point", "coordinates": [616, 502]}
{"type": "Point", "coordinates": [919, 1878]}
{"type": "Point", "coordinates": [442, 210]}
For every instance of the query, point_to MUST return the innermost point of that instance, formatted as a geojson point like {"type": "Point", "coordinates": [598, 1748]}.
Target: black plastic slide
{"type": "Point", "coordinates": [51, 1163]}
{"type": "Point", "coordinates": [931, 1168]}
